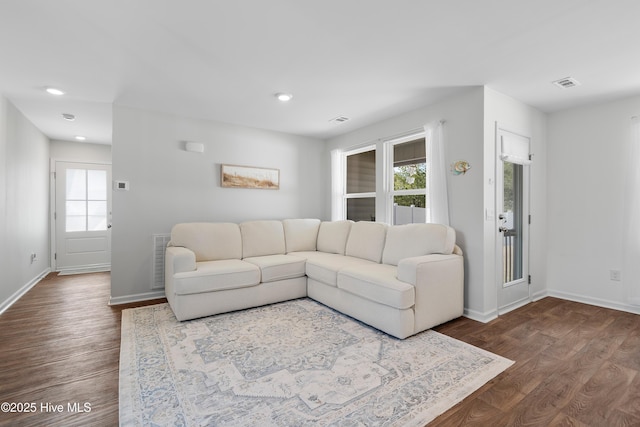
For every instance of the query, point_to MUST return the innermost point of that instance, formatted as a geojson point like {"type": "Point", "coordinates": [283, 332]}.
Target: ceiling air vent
{"type": "Point", "coordinates": [339, 119]}
{"type": "Point", "coordinates": [567, 82]}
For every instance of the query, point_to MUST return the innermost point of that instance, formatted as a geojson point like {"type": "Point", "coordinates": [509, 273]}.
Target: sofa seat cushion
{"type": "Point", "coordinates": [324, 267]}
{"type": "Point", "coordinates": [210, 276]}
{"type": "Point", "coordinates": [310, 255]}
{"type": "Point", "coordinates": [278, 267]}
{"type": "Point", "coordinates": [378, 283]}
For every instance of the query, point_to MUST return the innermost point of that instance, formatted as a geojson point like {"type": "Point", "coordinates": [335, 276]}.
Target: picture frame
{"type": "Point", "coordinates": [236, 176]}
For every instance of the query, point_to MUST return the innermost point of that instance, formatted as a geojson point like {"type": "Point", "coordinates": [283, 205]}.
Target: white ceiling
{"type": "Point", "coordinates": [367, 60]}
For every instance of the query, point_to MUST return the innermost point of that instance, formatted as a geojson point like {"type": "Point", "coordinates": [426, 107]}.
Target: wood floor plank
{"type": "Point", "coordinates": [575, 364]}
{"type": "Point", "coordinates": [591, 356]}
{"type": "Point", "coordinates": [60, 345]}
{"type": "Point", "coordinates": [597, 399]}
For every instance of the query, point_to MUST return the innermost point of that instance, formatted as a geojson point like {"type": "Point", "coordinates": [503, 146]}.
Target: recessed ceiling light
{"type": "Point", "coordinates": [68, 116]}
{"type": "Point", "coordinates": [284, 97]}
{"type": "Point", "coordinates": [81, 138]}
{"type": "Point", "coordinates": [54, 91]}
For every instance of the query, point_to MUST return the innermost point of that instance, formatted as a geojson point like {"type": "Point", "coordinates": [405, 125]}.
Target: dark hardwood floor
{"type": "Point", "coordinates": [60, 345]}
{"type": "Point", "coordinates": [576, 365]}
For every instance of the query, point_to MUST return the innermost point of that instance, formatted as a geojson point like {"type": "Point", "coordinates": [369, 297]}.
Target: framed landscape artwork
{"type": "Point", "coordinates": [233, 176]}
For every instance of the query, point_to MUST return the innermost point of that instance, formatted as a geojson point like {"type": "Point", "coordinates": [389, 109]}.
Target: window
{"type": "Point", "coordinates": [395, 195]}
{"type": "Point", "coordinates": [360, 184]}
{"type": "Point", "coordinates": [407, 179]}
{"type": "Point", "coordinates": [86, 200]}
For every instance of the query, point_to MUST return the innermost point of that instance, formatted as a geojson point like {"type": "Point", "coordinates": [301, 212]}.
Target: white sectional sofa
{"type": "Point", "coordinates": [399, 279]}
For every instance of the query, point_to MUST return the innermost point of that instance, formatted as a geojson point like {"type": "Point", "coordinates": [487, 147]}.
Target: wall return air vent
{"type": "Point", "coordinates": [567, 82]}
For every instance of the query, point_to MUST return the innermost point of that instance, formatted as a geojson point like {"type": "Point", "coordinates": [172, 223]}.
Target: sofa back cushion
{"type": "Point", "coordinates": [366, 240]}
{"type": "Point", "coordinates": [301, 234]}
{"type": "Point", "coordinates": [209, 241]}
{"type": "Point", "coordinates": [410, 240]}
{"type": "Point", "coordinates": [261, 238]}
{"type": "Point", "coordinates": [332, 236]}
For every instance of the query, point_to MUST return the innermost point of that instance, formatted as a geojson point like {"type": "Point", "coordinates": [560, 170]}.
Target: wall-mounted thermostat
{"type": "Point", "coordinates": [121, 185]}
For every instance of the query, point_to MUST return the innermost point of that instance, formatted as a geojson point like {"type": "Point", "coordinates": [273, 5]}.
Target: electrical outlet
{"type": "Point", "coordinates": [614, 275]}
{"type": "Point", "coordinates": [33, 258]}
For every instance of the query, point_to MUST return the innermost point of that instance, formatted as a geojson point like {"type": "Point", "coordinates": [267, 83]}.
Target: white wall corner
{"type": "Point", "coordinates": [480, 317]}
{"type": "Point", "coordinates": [23, 290]}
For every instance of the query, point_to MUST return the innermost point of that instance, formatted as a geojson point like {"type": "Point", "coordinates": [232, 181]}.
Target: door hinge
{"type": "Point", "coordinates": [529, 279]}
{"type": "Point", "coordinates": [529, 219]}
{"type": "Point", "coordinates": [55, 256]}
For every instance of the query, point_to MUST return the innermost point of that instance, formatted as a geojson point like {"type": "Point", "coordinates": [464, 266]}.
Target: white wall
{"type": "Point", "coordinates": [169, 185]}
{"type": "Point", "coordinates": [70, 151]}
{"type": "Point", "coordinates": [24, 194]}
{"type": "Point", "coordinates": [470, 135]}
{"type": "Point", "coordinates": [520, 118]}
{"type": "Point", "coordinates": [585, 201]}
{"type": "Point", "coordinates": [463, 132]}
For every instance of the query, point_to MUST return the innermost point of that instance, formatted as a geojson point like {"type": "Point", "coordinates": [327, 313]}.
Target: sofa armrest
{"type": "Point", "coordinates": [179, 259]}
{"type": "Point", "coordinates": [417, 270]}
{"type": "Point", "coordinates": [439, 287]}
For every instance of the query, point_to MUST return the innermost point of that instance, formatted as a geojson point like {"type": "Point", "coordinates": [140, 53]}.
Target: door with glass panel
{"type": "Point", "coordinates": [513, 220]}
{"type": "Point", "coordinates": [82, 217]}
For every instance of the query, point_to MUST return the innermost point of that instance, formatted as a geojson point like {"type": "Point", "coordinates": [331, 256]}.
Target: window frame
{"type": "Point", "coordinates": [362, 195]}
{"type": "Point", "coordinates": [384, 171]}
{"type": "Point", "coordinates": [389, 173]}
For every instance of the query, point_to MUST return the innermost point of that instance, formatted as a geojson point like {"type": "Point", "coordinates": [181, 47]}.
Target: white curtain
{"type": "Point", "coordinates": [437, 199]}
{"type": "Point", "coordinates": [337, 185]}
{"type": "Point", "coordinates": [631, 248]}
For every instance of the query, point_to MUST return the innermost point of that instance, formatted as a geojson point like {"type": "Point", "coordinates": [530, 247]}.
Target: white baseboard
{"type": "Point", "coordinates": [23, 290]}
{"type": "Point", "coordinates": [632, 307]}
{"type": "Point", "coordinates": [82, 270]}
{"type": "Point", "coordinates": [594, 301]}
{"type": "Point", "coordinates": [136, 298]}
{"type": "Point", "coordinates": [514, 306]}
{"type": "Point", "coordinates": [634, 300]}
{"type": "Point", "coordinates": [539, 295]}
{"type": "Point", "coordinates": [480, 317]}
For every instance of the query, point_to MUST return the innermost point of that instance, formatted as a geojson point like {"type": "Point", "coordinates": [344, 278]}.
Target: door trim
{"type": "Point", "coordinates": [517, 301]}
{"type": "Point", "coordinates": [52, 222]}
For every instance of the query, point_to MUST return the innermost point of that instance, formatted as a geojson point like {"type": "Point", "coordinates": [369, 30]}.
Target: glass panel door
{"type": "Point", "coordinates": [512, 205]}
{"type": "Point", "coordinates": [512, 223]}
{"type": "Point", "coordinates": [82, 236]}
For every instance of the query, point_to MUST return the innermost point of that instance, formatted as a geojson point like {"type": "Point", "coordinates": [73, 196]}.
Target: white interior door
{"type": "Point", "coordinates": [513, 220]}
{"type": "Point", "coordinates": [82, 217]}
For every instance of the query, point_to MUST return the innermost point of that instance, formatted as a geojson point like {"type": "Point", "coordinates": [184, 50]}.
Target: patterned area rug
{"type": "Point", "coordinates": [295, 363]}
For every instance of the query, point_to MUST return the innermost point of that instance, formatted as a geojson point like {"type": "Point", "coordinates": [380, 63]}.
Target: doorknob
{"type": "Point", "coordinates": [109, 226]}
